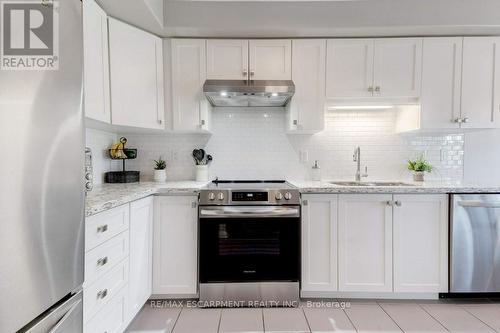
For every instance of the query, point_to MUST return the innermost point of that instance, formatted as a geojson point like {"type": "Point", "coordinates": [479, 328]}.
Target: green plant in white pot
{"type": "Point", "coordinates": [419, 167]}
{"type": "Point", "coordinates": [160, 174]}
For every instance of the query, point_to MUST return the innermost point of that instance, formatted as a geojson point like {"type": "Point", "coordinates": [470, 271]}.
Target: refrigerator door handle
{"type": "Point", "coordinates": [479, 204]}
{"type": "Point", "coordinates": [67, 315]}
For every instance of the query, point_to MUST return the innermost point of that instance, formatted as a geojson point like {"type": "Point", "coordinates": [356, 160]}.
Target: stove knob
{"type": "Point", "coordinates": [288, 195]}
{"type": "Point", "coordinates": [221, 196]}
{"type": "Point", "coordinates": [279, 196]}
{"type": "Point", "coordinates": [211, 196]}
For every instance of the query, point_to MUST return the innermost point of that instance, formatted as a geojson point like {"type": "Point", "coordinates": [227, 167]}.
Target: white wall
{"type": "Point", "coordinates": [99, 142]}
{"type": "Point", "coordinates": [482, 157]}
{"type": "Point", "coordinates": [251, 143]}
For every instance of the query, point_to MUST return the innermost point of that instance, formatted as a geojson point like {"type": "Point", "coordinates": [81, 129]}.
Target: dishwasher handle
{"type": "Point", "coordinates": [479, 204]}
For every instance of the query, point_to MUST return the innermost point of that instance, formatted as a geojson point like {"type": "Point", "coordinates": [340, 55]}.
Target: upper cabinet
{"type": "Point", "coordinates": [270, 59]}
{"type": "Point", "coordinates": [96, 62]}
{"type": "Point", "coordinates": [236, 59]}
{"type": "Point", "coordinates": [441, 82]}
{"type": "Point", "coordinates": [480, 80]}
{"type": "Point", "coordinates": [136, 73]}
{"type": "Point", "coordinates": [397, 67]}
{"type": "Point", "coordinates": [374, 68]}
{"type": "Point", "coordinates": [307, 108]}
{"type": "Point", "coordinates": [349, 71]}
{"type": "Point", "coordinates": [460, 78]}
{"type": "Point", "coordinates": [227, 59]}
{"type": "Point", "coordinates": [190, 108]}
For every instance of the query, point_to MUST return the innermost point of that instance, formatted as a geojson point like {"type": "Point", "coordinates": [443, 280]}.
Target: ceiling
{"type": "Point", "coordinates": [332, 18]}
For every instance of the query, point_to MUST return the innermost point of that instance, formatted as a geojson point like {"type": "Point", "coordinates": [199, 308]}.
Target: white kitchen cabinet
{"type": "Point", "coordinates": [306, 111]}
{"type": "Point", "coordinates": [365, 242]}
{"type": "Point", "coordinates": [397, 67]}
{"type": "Point", "coordinates": [136, 76]}
{"type": "Point", "coordinates": [441, 82]}
{"type": "Point", "coordinates": [349, 68]}
{"type": "Point", "coordinates": [319, 242]}
{"type": "Point", "coordinates": [421, 243]}
{"type": "Point", "coordinates": [141, 255]}
{"type": "Point", "coordinates": [386, 68]}
{"type": "Point", "coordinates": [480, 81]}
{"type": "Point", "coordinates": [96, 62]}
{"type": "Point", "coordinates": [175, 265]}
{"type": "Point", "coordinates": [227, 59]}
{"type": "Point", "coordinates": [190, 108]}
{"type": "Point", "coordinates": [270, 59]}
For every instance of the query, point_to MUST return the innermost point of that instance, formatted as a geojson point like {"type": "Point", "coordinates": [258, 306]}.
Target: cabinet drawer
{"type": "Point", "coordinates": [96, 295]}
{"type": "Point", "coordinates": [103, 258]}
{"type": "Point", "coordinates": [112, 318]}
{"type": "Point", "coordinates": [103, 226]}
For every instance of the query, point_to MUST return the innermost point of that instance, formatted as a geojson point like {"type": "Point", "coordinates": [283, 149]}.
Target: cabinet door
{"type": "Point", "coordinates": [365, 242]}
{"type": "Point", "coordinates": [270, 59]}
{"type": "Point", "coordinates": [136, 73]}
{"type": "Point", "coordinates": [141, 255]}
{"type": "Point", "coordinates": [441, 82]}
{"type": "Point", "coordinates": [421, 243]}
{"type": "Point", "coordinates": [349, 68]}
{"type": "Point", "coordinates": [480, 80]}
{"type": "Point", "coordinates": [175, 265]}
{"type": "Point", "coordinates": [307, 108]}
{"type": "Point", "coordinates": [227, 59]}
{"type": "Point", "coordinates": [188, 75]}
{"type": "Point", "coordinates": [397, 67]}
{"type": "Point", "coordinates": [319, 242]}
{"type": "Point", "coordinates": [96, 62]}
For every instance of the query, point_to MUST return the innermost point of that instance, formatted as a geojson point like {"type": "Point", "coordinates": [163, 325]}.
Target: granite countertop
{"type": "Point", "coordinates": [415, 187]}
{"type": "Point", "coordinates": [107, 196]}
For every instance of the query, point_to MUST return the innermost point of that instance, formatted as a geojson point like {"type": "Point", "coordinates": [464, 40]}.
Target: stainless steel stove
{"type": "Point", "coordinates": [249, 243]}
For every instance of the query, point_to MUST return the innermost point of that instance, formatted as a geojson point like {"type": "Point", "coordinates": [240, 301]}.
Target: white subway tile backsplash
{"type": "Point", "coordinates": [252, 143]}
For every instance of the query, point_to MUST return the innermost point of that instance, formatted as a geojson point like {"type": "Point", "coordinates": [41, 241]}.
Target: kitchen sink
{"type": "Point", "coordinates": [350, 183]}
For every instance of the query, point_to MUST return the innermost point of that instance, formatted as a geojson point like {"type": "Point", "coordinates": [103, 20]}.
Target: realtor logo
{"type": "Point", "coordinates": [29, 31]}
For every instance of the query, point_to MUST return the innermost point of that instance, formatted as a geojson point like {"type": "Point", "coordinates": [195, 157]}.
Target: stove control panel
{"type": "Point", "coordinates": [249, 197]}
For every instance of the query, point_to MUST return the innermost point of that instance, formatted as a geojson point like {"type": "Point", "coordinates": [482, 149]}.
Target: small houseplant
{"type": "Point", "coordinates": [160, 174]}
{"type": "Point", "coordinates": [419, 167]}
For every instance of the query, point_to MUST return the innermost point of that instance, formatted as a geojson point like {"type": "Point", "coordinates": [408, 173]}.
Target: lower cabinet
{"type": "Point", "coordinates": [365, 242]}
{"type": "Point", "coordinates": [319, 242]}
{"type": "Point", "coordinates": [175, 264]}
{"type": "Point", "coordinates": [370, 243]}
{"type": "Point", "coordinates": [421, 243]}
{"type": "Point", "coordinates": [141, 254]}
{"type": "Point", "coordinates": [118, 266]}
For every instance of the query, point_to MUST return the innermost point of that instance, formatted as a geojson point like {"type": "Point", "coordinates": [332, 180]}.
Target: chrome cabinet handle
{"type": "Point", "coordinates": [202, 122]}
{"type": "Point", "coordinates": [457, 120]}
{"type": "Point", "coordinates": [194, 204]}
{"type": "Point", "coordinates": [305, 202]}
{"type": "Point", "coordinates": [245, 72]}
{"type": "Point", "coordinates": [465, 120]}
{"type": "Point", "coordinates": [102, 261]}
{"type": "Point", "coordinates": [295, 122]}
{"type": "Point", "coordinates": [397, 203]}
{"type": "Point", "coordinates": [389, 203]}
{"type": "Point", "coordinates": [102, 228]}
{"type": "Point", "coordinates": [377, 89]}
{"type": "Point", "coordinates": [160, 121]}
{"type": "Point", "coordinates": [370, 89]}
{"type": "Point", "coordinates": [252, 73]}
{"type": "Point", "coordinates": [102, 294]}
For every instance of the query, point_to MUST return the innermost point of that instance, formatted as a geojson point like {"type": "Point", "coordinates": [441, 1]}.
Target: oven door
{"type": "Point", "coordinates": [249, 244]}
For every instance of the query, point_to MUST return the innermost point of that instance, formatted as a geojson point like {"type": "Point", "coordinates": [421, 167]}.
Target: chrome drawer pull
{"type": "Point", "coordinates": [102, 228]}
{"type": "Point", "coordinates": [102, 294]}
{"type": "Point", "coordinates": [102, 261]}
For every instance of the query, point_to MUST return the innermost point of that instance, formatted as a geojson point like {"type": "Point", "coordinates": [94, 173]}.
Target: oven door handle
{"type": "Point", "coordinates": [249, 211]}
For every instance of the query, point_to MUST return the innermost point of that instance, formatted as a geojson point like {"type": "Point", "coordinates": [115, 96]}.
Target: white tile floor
{"type": "Point", "coordinates": [363, 316]}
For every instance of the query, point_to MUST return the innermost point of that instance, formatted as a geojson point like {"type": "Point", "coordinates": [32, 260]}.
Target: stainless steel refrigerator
{"type": "Point", "coordinates": [42, 187]}
{"type": "Point", "coordinates": [475, 243]}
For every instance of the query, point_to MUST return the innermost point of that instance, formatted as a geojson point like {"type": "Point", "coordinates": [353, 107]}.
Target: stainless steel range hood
{"type": "Point", "coordinates": [240, 93]}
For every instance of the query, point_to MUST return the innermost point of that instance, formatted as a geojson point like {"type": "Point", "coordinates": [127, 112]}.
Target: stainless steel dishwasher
{"type": "Point", "coordinates": [475, 243]}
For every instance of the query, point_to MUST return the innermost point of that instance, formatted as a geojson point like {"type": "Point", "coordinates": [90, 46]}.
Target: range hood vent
{"type": "Point", "coordinates": [243, 93]}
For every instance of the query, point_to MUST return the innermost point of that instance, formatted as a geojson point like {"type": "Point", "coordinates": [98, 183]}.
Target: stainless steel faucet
{"type": "Point", "coordinates": [357, 158]}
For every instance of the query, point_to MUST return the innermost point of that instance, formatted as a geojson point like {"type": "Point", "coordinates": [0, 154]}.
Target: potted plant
{"type": "Point", "coordinates": [419, 167]}
{"type": "Point", "coordinates": [160, 174]}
